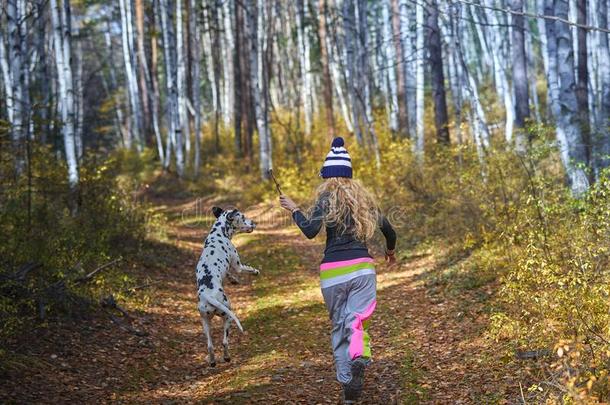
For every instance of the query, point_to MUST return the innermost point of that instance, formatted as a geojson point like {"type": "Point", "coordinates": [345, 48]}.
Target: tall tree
{"type": "Point", "coordinates": [305, 64]}
{"type": "Point", "coordinates": [143, 73]}
{"type": "Point", "coordinates": [195, 48]}
{"type": "Point", "coordinates": [419, 82]}
{"type": "Point", "coordinates": [255, 17]}
{"type": "Point", "coordinates": [602, 141]}
{"type": "Point", "coordinates": [327, 88]}
{"type": "Point", "coordinates": [61, 44]}
{"type": "Point", "coordinates": [441, 117]}
{"type": "Point", "coordinates": [520, 79]}
{"type": "Point", "coordinates": [391, 63]}
{"type": "Point", "coordinates": [130, 72]}
{"type": "Point", "coordinates": [398, 38]}
{"type": "Point", "coordinates": [564, 104]}
{"type": "Point", "coordinates": [582, 78]}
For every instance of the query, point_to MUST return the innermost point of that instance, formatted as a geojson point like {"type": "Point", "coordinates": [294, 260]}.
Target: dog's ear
{"type": "Point", "coordinates": [231, 215]}
{"type": "Point", "coordinates": [217, 211]}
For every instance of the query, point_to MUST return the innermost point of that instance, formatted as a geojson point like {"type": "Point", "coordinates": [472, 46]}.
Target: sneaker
{"type": "Point", "coordinates": [353, 389]}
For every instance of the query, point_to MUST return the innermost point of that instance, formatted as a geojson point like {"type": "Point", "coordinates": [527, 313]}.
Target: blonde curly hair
{"type": "Point", "coordinates": [349, 207]}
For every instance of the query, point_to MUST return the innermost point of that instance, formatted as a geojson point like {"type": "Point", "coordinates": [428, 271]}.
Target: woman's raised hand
{"type": "Point", "coordinates": [287, 203]}
{"type": "Point", "coordinates": [390, 257]}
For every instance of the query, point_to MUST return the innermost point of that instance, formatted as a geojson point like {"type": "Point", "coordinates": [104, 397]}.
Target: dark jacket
{"type": "Point", "coordinates": [339, 245]}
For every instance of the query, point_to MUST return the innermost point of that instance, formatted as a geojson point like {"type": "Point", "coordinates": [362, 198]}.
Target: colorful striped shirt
{"type": "Point", "coordinates": [333, 273]}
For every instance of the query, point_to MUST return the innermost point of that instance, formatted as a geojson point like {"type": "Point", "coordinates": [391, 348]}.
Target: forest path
{"type": "Point", "coordinates": [285, 355]}
{"type": "Point", "coordinates": [425, 344]}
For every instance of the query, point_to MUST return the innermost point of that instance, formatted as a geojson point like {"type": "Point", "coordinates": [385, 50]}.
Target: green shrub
{"type": "Point", "coordinates": [39, 225]}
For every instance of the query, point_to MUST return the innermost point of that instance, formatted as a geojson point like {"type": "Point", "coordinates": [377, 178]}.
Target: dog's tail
{"type": "Point", "coordinates": [214, 302]}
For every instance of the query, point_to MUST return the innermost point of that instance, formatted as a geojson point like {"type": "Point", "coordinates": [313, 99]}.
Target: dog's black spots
{"type": "Point", "coordinates": [220, 289]}
{"type": "Point", "coordinates": [207, 281]}
{"type": "Point", "coordinates": [224, 297]}
{"type": "Point", "coordinates": [212, 253]}
{"type": "Point", "coordinates": [213, 364]}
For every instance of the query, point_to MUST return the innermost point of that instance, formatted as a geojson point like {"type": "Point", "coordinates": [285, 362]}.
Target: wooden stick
{"type": "Point", "coordinates": [94, 272]}
{"type": "Point", "coordinates": [277, 185]}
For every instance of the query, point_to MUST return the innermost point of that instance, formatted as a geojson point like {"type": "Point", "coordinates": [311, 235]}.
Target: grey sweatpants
{"type": "Point", "coordinates": [350, 305]}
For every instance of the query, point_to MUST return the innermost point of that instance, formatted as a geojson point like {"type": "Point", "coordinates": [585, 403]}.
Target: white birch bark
{"type": "Point", "coordinates": [18, 69]}
{"type": "Point", "coordinates": [174, 138]}
{"type": "Point", "coordinates": [227, 62]}
{"type": "Point", "coordinates": [112, 88]}
{"type": "Point", "coordinates": [500, 70]}
{"type": "Point", "coordinates": [349, 33]}
{"type": "Point", "coordinates": [7, 79]}
{"type": "Point", "coordinates": [196, 82]}
{"type": "Point", "coordinates": [602, 141]}
{"type": "Point", "coordinates": [78, 91]}
{"type": "Point", "coordinates": [407, 17]}
{"type": "Point", "coordinates": [182, 137]}
{"type": "Point", "coordinates": [305, 64]}
{"type": "Point", "coordinates": [562, 83]}
{"type": "Point", "coordinates": [61, 39]}
{"type": "Point", "coordinates": [254, 13]}
{"type": "Point", "coordinates": [419, 84]}
{"type": "Point", "coordinates": [337, 79]}
{"type": "Point", "coordinates": [391, 65]}
{"type": "Point", "coordinates": [130, 72]}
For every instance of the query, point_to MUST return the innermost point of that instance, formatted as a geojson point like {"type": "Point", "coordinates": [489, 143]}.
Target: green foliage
{"type": "Point", "coordinates": [65, 234]}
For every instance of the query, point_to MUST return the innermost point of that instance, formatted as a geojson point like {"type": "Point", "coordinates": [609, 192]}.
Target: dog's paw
{"type": "Point", "coordinates": [213, 364]}
{"type": "Point", "coordinates": [227, 359]}
{"type": "Point", "coordinates": [256, 272]}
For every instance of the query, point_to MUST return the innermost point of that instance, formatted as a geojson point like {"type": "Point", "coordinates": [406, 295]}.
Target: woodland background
{"type": "Point", "coordinates": [486, 121]}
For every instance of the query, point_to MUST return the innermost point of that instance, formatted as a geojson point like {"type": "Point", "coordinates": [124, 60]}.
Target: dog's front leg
{"type": "Point", "coordinates": [242, 268]}
{"type": "Point", "coordinates": [248, 269]}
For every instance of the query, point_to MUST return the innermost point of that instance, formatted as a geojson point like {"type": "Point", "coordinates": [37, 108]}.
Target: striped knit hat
{"type": "Point", "coordinates": [338, 162]}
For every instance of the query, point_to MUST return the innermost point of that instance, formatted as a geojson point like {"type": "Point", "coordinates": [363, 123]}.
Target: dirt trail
{"type": "Point", "coordinates": [424, 347]}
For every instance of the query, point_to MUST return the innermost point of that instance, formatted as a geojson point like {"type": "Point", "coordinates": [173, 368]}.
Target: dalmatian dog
{"type": "Point", "coordinates": [219, 256]}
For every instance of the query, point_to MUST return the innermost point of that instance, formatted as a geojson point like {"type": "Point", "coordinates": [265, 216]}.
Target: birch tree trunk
{"type": "Point", "coordinates": [365, 78]}
{"type": "Point", "coordinates": [419, 83]}
{"type": "Point", "coordinates": [602, 141]}
{"type": "Point", "coordinates": [143, 73]}
{"type": "Point", "coordinates": [174, 138]}
{"type": "Point", "coordinates": [519, 63]}
{"type": "Point", "coordinates": [441, 118]}
{"type": "Point", "coordinates": [306, 76]}
{"type": "Point", "coordinates": [478, 121]}
{"type": "Point", "coordinates": [130, 72]}
{"type": "Point", "coordinates": [500, 69]}
{"type": "Point", "coordinates": [338, 78]}
{"type": "Point", "coordinates": [349, 33]}
{"type": "Point", "coordinates": [154, 83]}
{"type": "Point", "coordinates": [183, 136]}
{"type": "Point", "coordinates": [61, 39]}
{"type": "Point", "coordinates": [397, 28]}
{"type": "Point", "coordinates": [194, 36]}
{"type": "Point", "coordinates": [390, 66]}
{"type": "Point", "coordinates": [7, 78]}
{"type": "Point", "coordinates": [79, 92]}
{"type": "Point", "coordinates": [254, 11]}
{"type": "Point", "coordinates": [112, 88]}
{"type": "Point", "coordinates": [238, 79]}
{"type": "Point", "coordinates": [582, 79]}
{"type": "Point", "coordinates": [563, 96]}
{"type": "Point", "coordinates": [18, 69]}
{"type": "Point", "coordinates": [228, 62]}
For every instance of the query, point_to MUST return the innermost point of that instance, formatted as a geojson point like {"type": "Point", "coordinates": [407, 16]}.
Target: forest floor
{"type": "Point", "coordinates": [428, 343]}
